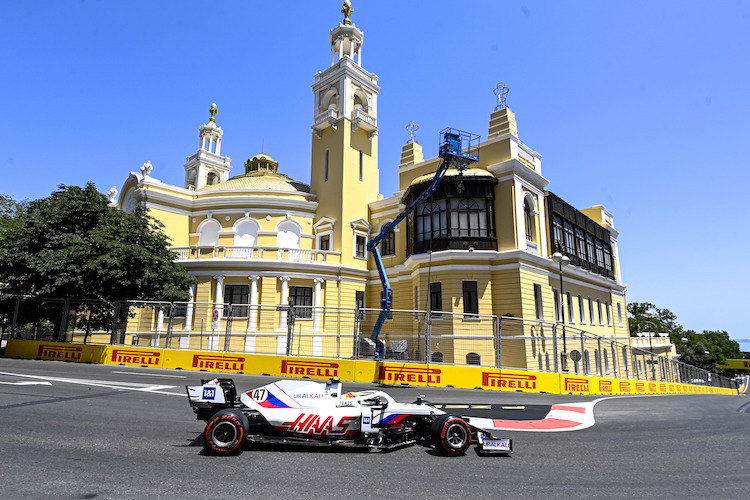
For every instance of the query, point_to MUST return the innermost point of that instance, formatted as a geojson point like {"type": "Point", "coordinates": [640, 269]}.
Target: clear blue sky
{"type": "Point", "coordinates": [641, 106]}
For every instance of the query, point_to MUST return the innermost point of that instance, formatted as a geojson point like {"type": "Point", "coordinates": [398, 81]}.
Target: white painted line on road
{"type": "Point", "coordinates": [158, 388]}
{"type": "Point", "coordinates": [26, 383]}
{"type": "Point", "coordinates": [121, 386]}
{"type": "Point", "coordinates": [149, 374]}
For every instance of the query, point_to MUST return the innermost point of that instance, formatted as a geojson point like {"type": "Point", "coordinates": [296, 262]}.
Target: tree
{"type": "Point", "coordinates": [10, 212]}
{"type": "Point", "coordinates": [709, 349]}
{"type": "Point", "coordinates": [661, 320]}
{"type": "Point", "coordinates": [72, 244]}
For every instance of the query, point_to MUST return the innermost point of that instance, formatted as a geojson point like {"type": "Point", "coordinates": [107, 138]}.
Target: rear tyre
{"type": "Point", "coordinates": [450, 435]}
{"type": "Point", "coordinates": [226, 432]}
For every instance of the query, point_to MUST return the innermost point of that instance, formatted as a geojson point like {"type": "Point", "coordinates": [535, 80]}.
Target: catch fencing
{"type": "Point", "coordinates": [343, 333]}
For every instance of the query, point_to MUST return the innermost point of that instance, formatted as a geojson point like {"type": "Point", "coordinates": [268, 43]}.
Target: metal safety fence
{"type": "Point", "coordinates": [344, 333]}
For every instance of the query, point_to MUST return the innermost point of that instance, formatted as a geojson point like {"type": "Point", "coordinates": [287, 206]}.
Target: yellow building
{"type": "Point", "coordinates": [480, 248]}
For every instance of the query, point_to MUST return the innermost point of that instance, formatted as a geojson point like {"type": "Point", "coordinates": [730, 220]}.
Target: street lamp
{"type": "Point", "coordinates": [648, 314]}
{"type": "Point", "coordinates": [562, 260]}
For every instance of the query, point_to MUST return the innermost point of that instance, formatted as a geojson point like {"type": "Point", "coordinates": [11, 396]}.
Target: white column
{"type": "Point", "coordinates": [542, 224]}
{"type": "Point", "coordinates": [219, 302]}
{"type": "Point", "coordinates": [189, 312]}
{"type": "Point", "coordinates": [351, 49]}
{"type": "Point", "coordinates": [345, 104]}
{"type": "Point", "coordinates": [252, 316]}
{"type": "Point", "coordinates": [316, 304]}
{"type": "Point", "coordinates": [160, 321]}
{"type": "Point", "coordinates": [341, 48]}
{"type": "Point", "coordinates": [200, 177]}
{"type": "Point", "coordinates": [218, 145]}
{"type": "Point", "coordinates": [520, 227]}
{"type": "Point", "coordinates": [284, 300]}
{"type": "Point", "coordinates": [333, 57]}
{"type": "Point", "coordinates": [359, 55]}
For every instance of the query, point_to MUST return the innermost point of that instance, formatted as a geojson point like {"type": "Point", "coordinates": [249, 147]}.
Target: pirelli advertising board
{"type": "Point", "coordinates": [468, 377]}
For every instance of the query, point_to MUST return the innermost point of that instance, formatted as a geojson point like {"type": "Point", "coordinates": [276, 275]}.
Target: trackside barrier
{"type": "Point", "coordinates": [437, 340]}
{"type": "Point", "coordinates": [354, 370]}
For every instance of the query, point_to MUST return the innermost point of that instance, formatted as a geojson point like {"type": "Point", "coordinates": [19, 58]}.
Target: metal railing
{"type": "Point", "coordinates": [344, 333]}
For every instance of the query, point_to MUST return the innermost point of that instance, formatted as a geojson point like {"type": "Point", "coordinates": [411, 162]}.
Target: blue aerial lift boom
{"type": "Point", "coordinates": [458, 149]}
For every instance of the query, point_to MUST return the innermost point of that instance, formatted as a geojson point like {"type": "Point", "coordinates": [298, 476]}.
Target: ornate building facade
{"type": "Point", "coordinates": [481, 245]}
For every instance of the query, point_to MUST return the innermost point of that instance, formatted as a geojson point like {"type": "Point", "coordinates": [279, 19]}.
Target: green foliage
{"type": "Point", "coordinates": [661, 321]}
{"type": "Point", "coordinates": [72, 244]}
{"type": "Point", "coordinates": [718, 344]}
{"type": "Point", "coordinates": [10, 212]}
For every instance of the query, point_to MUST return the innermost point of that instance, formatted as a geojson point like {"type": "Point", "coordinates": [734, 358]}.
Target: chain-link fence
{"type": "Point", "coordinates": [344, 333]}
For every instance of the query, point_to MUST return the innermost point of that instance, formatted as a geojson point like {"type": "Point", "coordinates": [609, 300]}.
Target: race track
{"type": "Point", "coordinates": [96, 431]}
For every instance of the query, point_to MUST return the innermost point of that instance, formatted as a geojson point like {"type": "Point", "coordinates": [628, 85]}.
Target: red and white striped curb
{"type": "Point", "coordinates": [562, 417]}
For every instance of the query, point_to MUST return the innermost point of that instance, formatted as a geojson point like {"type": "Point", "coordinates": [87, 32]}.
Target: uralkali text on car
{"type": "Point", "coordinates": [320, 414]}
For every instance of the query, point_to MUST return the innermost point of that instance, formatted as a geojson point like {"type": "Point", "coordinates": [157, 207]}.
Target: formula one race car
{"type": "Point", "coordinates": [312, 413]}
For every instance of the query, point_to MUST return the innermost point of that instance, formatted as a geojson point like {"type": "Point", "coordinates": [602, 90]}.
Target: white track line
{"type": "Point", "coordinates": [122, 386]}
{"type": "Point", "coordinates": [150, 374]}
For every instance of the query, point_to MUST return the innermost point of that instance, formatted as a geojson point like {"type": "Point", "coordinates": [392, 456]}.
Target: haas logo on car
{"type": "Point", "coordinates": [136, 357]}
{"type": "Point", "coordinates": [321, 425]}
{"type": "Point", "coordinates": [63, 352]}
{"type": "Point", "coordinates": [316, 369]}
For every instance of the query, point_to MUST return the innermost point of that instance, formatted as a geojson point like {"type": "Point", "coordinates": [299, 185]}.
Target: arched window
{"type": "Point", "coordinates": [360, 101]}
{"type": "Point", "coordinates": [246, 233]}
{"type": "Point", "coordinates": [431, 221]}
{"type": "Point", "coordinates": [209, 233]}
{"type": "Point", "coordinates": [606, 362]}
{"type": "Point", "coordinates": [330, 100]}
{"type": "Point", "coordinates": [437, 357]}
{"type": "Point", "coordinates": [527, 220]}
{"type": "Point", "coordinates": [468, 218]}
{"type": "Point", "coordinates": [473, 358]}
{"type": "Point", "coordinates": [288, 235]}
{"type": "Point", "coordinates": [388, 245]}
{"type": "Point", "coordinates": [212, 179]}
{"type": "Point", "coordinates": [586, 363]}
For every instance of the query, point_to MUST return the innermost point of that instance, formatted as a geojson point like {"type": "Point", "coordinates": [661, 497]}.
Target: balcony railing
{"type": "Point", "coordinates": [364, 120]}
{"type": "Point", "coordinates": [256, 254]}
{"type": "Point", "coordinates": [328, 118]}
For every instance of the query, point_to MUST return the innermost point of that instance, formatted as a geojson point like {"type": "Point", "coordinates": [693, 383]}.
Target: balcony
{"type": "Point", "coordinates": [328, 118]}
{"type": "Point", "coordinates": [233, 253]}
{"type": "Point", "coordinates": [360, 119]}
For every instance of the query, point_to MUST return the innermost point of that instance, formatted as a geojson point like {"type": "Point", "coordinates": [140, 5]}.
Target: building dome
{"type": "Point", "coordinates": [261, 163]}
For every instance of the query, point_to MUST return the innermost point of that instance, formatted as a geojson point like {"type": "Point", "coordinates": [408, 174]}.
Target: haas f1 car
{"type": "Point", "coordinates": [312, 413]}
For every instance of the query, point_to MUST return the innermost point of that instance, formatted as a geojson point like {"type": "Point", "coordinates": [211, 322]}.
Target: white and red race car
{"type": "Point", "coordinates": [313, 413]}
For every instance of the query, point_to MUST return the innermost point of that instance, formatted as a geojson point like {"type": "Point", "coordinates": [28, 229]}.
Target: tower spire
{"type": "Point", "coordinates": [347, 11]}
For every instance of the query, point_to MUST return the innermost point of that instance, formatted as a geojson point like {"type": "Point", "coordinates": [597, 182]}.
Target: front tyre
{"type": "Point", "coordinates": [226, 432]}
{"type": "Point", "coordinates": [450, 435]}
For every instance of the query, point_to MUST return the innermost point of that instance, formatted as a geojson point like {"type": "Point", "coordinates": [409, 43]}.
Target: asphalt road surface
{"type": "Point", "coordinates": [100, 431]}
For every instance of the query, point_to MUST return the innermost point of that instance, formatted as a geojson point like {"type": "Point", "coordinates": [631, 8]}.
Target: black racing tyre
{"type": "Point", "coordinates": [226, 432]}
{"type": "Point", "coordinates": [450, 435]}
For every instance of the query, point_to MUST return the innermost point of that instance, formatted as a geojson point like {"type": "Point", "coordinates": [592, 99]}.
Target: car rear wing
{"type": "Point", "coordinates": [212, 396]}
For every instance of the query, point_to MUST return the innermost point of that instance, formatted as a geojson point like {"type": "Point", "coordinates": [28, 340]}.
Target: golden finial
{"type": "Point", "coordinates": [347, 11]}
{"type": "Point", "coordinates": [213, 112]}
